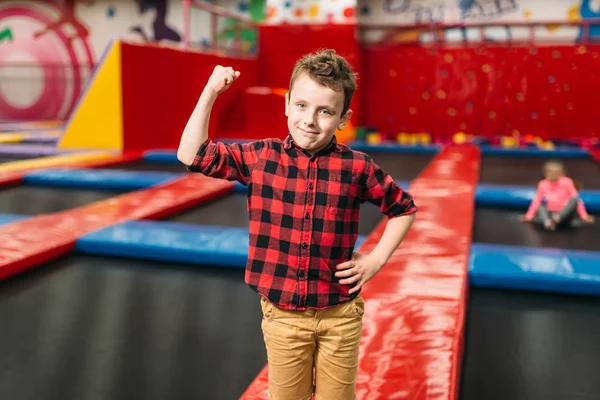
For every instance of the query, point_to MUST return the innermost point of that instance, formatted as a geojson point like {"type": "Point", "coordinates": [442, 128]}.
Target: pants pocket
{"type": "Point", "coordinates": [267, 308]}
{"type": "Point", "coordinates": [359, 307]}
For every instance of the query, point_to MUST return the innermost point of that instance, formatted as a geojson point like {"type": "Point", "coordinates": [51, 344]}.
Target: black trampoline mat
{"type": "Point", "coordinates": [402, 167]}
{"type": "Point", "coordinates": [32, 200]}
{"type": "Point", "coordinates": [141, 165]}
{"type": "Point", "coordinates": [230, 210]}
{"type": "Point", "coordinates": [503, 227]}
{"type": "Point", "coordinates": [109, 328]}
{"type": "Point", "coordinates": [531, 346]}
{"type": "Point", "coordinates": [523, 171]}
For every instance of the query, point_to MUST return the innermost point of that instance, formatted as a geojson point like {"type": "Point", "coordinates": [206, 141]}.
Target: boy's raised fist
{"type": "Point", "coordinates": [222, 78]}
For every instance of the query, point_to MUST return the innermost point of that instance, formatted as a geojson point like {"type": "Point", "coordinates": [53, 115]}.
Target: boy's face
{"type": "Point", "coordinates": [314, 113]}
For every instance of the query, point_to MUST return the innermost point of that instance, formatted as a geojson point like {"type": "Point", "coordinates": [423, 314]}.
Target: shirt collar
{"type": "Point", "coordinates": [332, 146]}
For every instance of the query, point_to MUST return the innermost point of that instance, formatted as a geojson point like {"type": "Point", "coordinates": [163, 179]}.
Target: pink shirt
{"type": "Point", "coordinates": [557, 195]}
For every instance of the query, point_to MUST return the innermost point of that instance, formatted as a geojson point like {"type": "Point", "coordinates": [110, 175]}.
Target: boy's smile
{"type": "Point", "coordinates": [314, 113]}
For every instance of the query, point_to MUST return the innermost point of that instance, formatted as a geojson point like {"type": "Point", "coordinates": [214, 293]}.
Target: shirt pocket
{"type": "Point", "coordinates": [342, 193]}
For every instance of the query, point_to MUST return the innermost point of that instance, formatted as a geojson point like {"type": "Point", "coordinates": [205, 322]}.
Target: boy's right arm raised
{"type": "Point", "coordinates": [195, 133]}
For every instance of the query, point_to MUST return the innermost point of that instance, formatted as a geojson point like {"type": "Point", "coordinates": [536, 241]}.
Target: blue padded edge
{"type": "Point", "coordinates": [526, 268]}
{"type": "Point", "coordinates": [97, 178]}
{"type": "Point", "coordinates": [197, 244]}
{"type": "Point", "coordinates": [8, 218]}
{"type": "Point", "coordinates": [403, 184]}
{"type": "Point", "coordinates": [164, 156]}
{"type": "Point", "coordinates": [519, 197]}
{"type": "Point", "coordinates": [240, 188]}
{"type": "Point", "coordinates": [534, 152]}
{"type": "Point", "coordinates": [176, 242]}
{"type": "Point", "coordinates": [393, 147]}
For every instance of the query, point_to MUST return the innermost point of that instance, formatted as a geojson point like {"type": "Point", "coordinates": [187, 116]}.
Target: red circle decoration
{"type": "Point", "coordinates": [52, 53]}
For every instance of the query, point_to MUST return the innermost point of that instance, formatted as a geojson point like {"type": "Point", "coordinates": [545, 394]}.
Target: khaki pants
{"type": "Point", "coordinates": [326, 340]}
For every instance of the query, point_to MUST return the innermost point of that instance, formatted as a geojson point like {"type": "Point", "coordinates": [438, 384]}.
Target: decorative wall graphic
{"type": "Point", "coordinates": [449, 11]}
{"type": "Point", "coordinates": [486, 8]}
{"type": "Point", "coordinates": [67, 17]}
{"type": "Point", "coordinates": [311, 11]}
{"type": "Point", "coordinates": [47, 48]}
{"type": "Point", "coordinates": [6, 34]}
{"type": "Point", "coordinates": [161, 31]}
{"type": "Point", "coordinates": [590, 9]}
{"type": "Point", "coordinates": [419, 11]}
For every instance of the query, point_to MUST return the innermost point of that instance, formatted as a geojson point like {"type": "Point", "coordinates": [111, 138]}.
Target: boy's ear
{"type": "Point", "coordinates": [287, 104]}
{"type": "Point", "coordinates": [344, 120]}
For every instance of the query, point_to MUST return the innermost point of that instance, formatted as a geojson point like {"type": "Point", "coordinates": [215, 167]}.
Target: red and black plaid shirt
{"type": "Point", "coordinates": [303, 213]}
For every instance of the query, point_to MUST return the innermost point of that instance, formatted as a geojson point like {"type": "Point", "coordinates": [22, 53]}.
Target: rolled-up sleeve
{"type": "Point", "coordinates": [233, 162]}
{"type": "Point", "coordinates": [382, 191]}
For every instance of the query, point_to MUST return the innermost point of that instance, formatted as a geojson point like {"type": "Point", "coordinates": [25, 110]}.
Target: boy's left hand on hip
{"type": "Point", "coordinates": [357, 270]}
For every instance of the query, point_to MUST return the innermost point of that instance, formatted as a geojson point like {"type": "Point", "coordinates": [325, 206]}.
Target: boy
{"type": "Point", "coordinates": [303, 200]}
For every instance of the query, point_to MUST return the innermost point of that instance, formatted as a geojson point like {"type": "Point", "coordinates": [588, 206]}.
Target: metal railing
{"type": "Point", "coordinates": [501, 32]}
{"type": "Point", "coordinates": [229, 33]}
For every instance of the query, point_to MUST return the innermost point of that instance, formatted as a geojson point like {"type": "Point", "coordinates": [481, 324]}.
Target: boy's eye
{"type": "Point", "coordinates": [300, 105]}
{"type": "Point", "coordinates": [325, 111]}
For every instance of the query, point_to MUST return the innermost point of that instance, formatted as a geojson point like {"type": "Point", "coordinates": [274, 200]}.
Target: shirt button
{"type": "Point", "coordinates": [310, 186]}
{"type": "Point", "coordinates": [304, 246]}
{"type": "Point", "coordinates": [301, 274]}
{"type": "Point", "coordinates": [307, 216]}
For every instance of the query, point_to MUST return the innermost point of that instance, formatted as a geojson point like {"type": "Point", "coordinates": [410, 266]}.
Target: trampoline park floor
{"type": "Point", "coordinates": [522, 345]}
{"type": "Point", "coordinates": [110, 328]}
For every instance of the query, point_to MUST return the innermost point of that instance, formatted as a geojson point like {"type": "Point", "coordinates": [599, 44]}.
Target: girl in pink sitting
{"type": "Point", "coordinates": [556, 202]}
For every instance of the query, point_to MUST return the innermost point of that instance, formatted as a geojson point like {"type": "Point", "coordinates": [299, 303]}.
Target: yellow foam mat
{"type": "Point", "coordinates": [11, 138]}
{"type": "Point", "coordinates": [53, 161]}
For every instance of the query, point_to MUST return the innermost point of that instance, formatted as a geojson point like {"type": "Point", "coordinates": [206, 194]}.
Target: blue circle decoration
{"type": "Point", "coordinates": [111, 11]}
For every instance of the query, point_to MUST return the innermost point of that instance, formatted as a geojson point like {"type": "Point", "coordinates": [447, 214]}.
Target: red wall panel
{"type": "Point", "coordinates": [161, 87]}
{"type": "Point", "coordinates": [280, 46]}
{"type": "Point", "coordinates": [547, 91]}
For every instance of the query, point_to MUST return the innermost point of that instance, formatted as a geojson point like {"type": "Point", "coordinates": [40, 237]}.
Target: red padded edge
{"type": "Point", "coordinates": [28, 243]}
{"type": "Point", "coordinates": [596, 155]}
{"type": "Point", "coordinates": [415, 307]}
{"type": "Point", "coordinates": [11, 178]}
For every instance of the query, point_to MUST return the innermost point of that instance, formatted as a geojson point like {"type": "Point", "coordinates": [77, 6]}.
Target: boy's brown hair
{"type": "Point", "coordinates": [329, 69]}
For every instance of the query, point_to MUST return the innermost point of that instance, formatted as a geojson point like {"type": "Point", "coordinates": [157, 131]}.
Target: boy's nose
{"type": "Point", "coordinates": [309, 121]}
